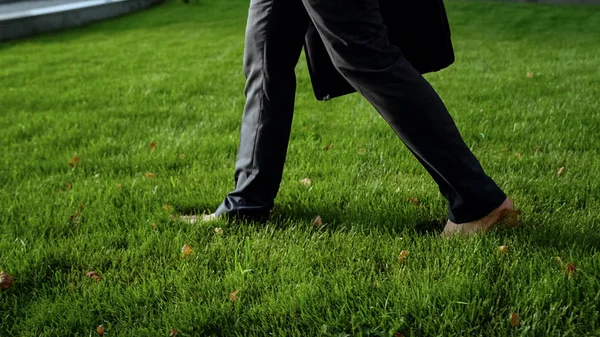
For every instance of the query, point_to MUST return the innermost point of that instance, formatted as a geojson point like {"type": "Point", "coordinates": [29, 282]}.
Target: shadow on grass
{"type": "Point", "coordinates": [363, 219]}
{"type": "Point", "coordinates": [553, 238]}
{"type": "Point", "coordinates": [393, 223]}
{"type": "Point", "coordinates": [341, 220]}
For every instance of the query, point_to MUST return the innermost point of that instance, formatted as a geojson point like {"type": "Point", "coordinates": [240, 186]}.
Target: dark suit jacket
{"type": "Point", "coordinates": [419, 27]}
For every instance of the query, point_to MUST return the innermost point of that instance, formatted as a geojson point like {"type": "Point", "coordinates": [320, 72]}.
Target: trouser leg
{"type": "Point", "coordinates": [274, 38]}
{"type": "Point", "coordinates": [357, 42]}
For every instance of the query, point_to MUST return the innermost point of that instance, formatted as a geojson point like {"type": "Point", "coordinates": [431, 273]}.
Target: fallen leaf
{"type": "Point", "coordinates": [402, 256]}
{"type": "Point", "coordinates": [234, 296]}
{"type": "Point", "coordinates": [318, 221]}
{"type": "Point", "coordinates": [120, 186]}
{"type": "Point", "coordinates": [166, 207]}
{"type": "Point", "coordinates": [306, 182]}
{"type": "Point", "coordinates": [152, 146]}
{"type": "Point", "coordinates": [362, 151]}
{"type": "Point", "coordinates": [100, 330]}
{"type": "Point", "coordinates": [74, 218]}
{"type": "Point", "coordinates": [149, 175]}
{"type": "Point", "coordinates": [561, 171]}
{"type": "Point", "coordinates": [530, 74]}
{"type": "Point", "coordinates": [518, 155]}
{"type": "Point", "coordinates": [94, 275]}
{"type": "Point", "coordinates": [173, 333]}
{"type": "Point", "coordinates": [514, 319]}
{"type": "Point", "coordinates": [186, 251]}
{"type": "Point", "coordinates": [502, 250]}
{"type": "Point", "coordinates": [154, 226]}
{"type": "Point", "coordinates": [69, 186]}
{"type": "Point", "coordinates": [571, 268]}
{"type": "Point", "coordinates": [328, 147]}
{"type": "Point", "coordinates": [510, 218]}
{"type": "Point", "coordinates": [218, 230]}
{"type": "Point", "coordinates": [415, 201]}
{"type": "Point", "coordinates": [74, 161]}
{"type": "Point", "coordinates": [6, 280]}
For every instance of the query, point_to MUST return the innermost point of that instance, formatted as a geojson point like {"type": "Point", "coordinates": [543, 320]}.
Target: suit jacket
{"type": "Point", "coordinates": [419, 27]}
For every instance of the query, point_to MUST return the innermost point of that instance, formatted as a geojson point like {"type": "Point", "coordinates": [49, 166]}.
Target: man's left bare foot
{"type": "Point", "coordinates": [504, 213]}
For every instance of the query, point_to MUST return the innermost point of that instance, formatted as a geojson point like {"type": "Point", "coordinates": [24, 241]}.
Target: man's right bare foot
{"type": "Point", "coordinates": [203, 218]}
{"type": "Point", "coordinates": [505, 213]}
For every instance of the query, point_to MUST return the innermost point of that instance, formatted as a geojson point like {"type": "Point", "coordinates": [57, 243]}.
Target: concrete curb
{"type": "Point", "coordinates": [18, 24]}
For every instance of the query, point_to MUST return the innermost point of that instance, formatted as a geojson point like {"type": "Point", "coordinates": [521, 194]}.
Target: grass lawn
{"type": "Point", "coordinates": [172, 76]}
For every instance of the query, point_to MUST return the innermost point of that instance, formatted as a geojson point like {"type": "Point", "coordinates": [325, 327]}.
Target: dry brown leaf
{"type": "Point", "coordinates": [218, 230]}
{"type": "Point", "coordinates": [402, 256]}
{"type": "Point", "coordinates": [94, 275]}
{"type": "Point", "coordinates": [362, 151]}
{"type": "Point", "coordinates": [571, 268]}
{"type": "Point", "coordinates": [166, 207]}
{"type": "Point", "coordinates": [173, 333]}
{"type": "Point", "coordinates": [6, 280]}
{"type": "Point", "coordinates": [186, 251]}
{"type": "Point", "coordinates": [152, 146]}
{"type": "Point", "coordinates": [120, 186]}
{"type": "Point", "coordinates": [510, 218]}
{"type": "Point", "coordinates": [328, 147]}
{"type": "Point", "coordinates": [518, 155]}
{"type": "Point", "coordinates": [306, 182]}
{"type": "Point", "coordinates": [149, 175]}
{"type": "Point", "coordinates": [100, 330]}
{"type": "Point", "coordinates": [234, 296]}
{"type": "Point", "coordinates": [318, 221]}
{"type": "Point", "coordinates": [561, 171]}
{"type": "Point", "coordinates": [69, 186]}
{"type": "Point", "coordinates": [415, 201]}
{"type": "Point", "coordinates": [154, 226]}
{"type": "Point", "coordinates": [74, 218]}
{"type": "Point", "coordinates": [502, 250]}
{"type": "Point", "coordinates": [74, 161]}
{"type": "Point", "coordinates": [514, 319]}
{"type": "Point", "coordinates": [530, 74]}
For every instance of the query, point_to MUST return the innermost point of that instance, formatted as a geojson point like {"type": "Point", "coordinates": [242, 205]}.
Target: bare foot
{"type": "Point", "coordinates": [504, 213]}
{"type": "Point", "coordinates": [193, 219]}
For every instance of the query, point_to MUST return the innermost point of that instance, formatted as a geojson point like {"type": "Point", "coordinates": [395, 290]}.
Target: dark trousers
{"type": "Point", "coordinates": [356, 40]}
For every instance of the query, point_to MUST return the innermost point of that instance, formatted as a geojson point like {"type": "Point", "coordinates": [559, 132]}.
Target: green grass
{"type": "Point", "coordinates": [172, 75]}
